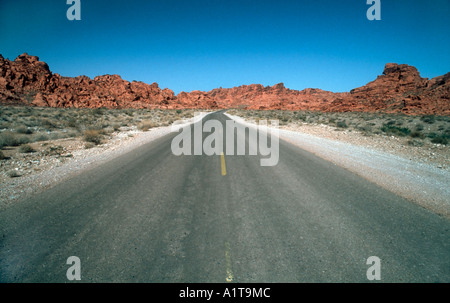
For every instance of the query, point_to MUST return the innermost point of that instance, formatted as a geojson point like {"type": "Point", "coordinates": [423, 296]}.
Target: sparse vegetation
{"type": "Point", "coordinates": [24, 130]}
{"type": "Point", "coordinates": [93, 136]}
{"type": "Point", "coordinates": [428, 119]}
{"type": "Point", "coordinates": [26, 149]}
{"type": "Point", "coordinates": [89, 145]}
{"type": "Point", "coordinates": [146, 125]}
{"type": "Point", "coordinates": [417, 134]}
{"type": "Point", "coordinates": [22, 125]}
{"type": "Point", "coordinates": [29, 131]}
{"type": "Point", "coordinates": [432, 129]}
{"type": "Point", "coordinates": [342, 124]}
{"type": "Point", "coordinates": [441, 139]}
{"type": "Point", "coordinates": [414, 142]}
{"type": "Point", "coordinates": [7, 139]}
{"type": "Point", "coordinates": [13, 174]}
{"type": "Point", "coordinates": [34, 139]}
{"type": "Point", "coordinates": [395, 130]}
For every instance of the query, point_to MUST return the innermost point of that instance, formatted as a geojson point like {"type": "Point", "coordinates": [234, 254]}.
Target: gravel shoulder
{"type": "Point", "coordinates": [419, 175]}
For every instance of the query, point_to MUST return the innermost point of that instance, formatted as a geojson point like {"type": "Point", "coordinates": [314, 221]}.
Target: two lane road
{"type": "Point", "coordinates": [151, 216]}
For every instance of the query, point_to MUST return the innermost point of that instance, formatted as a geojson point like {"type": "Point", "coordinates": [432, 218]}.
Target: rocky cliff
{"type": "Point", "coordinates": [26, 80]}
{"type": "Point", "coordinates": [400, 89]}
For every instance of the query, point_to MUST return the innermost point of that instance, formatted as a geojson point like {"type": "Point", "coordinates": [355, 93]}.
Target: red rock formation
{"type": "Point", "coordinates": [196, 99]}
{"type": "Point", "coordinates": [256, 96]}
{"type": "Point", "coordinates": [29, 81]}
{"type": "Point", "coordinates": [400, 89]}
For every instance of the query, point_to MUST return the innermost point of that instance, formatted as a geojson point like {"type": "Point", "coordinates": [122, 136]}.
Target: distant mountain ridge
{"type": "Point", "coordinates": [400, 89]}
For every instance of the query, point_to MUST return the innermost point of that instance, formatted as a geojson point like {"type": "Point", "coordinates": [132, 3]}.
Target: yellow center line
{"type": "Point", "coordinates": [229, 277]}
{"type": "Point", "coordinates": [222, 163]}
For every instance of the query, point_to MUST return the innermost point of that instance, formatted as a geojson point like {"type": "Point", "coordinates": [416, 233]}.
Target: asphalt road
{"type": "Point", "coordinates": [150, 216]}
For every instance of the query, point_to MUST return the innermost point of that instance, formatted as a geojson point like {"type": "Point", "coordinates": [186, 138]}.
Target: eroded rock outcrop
{"type": "Point", "coordinates": [400, 89]}
{"type": "Point", "coordinates": [26, 80]}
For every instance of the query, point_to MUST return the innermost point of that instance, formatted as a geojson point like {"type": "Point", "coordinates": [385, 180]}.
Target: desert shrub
{"type": "Point", "coordinates": [13, 174]}
{"type": "Point", "coordinates": [4, 125]}
{"type": "Point", "coordinates": [54, 150]}
{"type": "Point", "coordinates": [284, 119]}
{"type": "Point", "coordinates": [366, 128]}
{"type": "Point", "coordinates": [26, 149]}
{"type": "Point", "coordinates": [415, 143]}
{"type": "Point", "coordinates": [417, 134]}
{"type": "Point", "coordinates": [72, 122]}
{"type": "Point", "coordinates": [189, 115]}
{"type": "Point", "coordinates": [116, 127]}
{"type": "Point", "coordinates": [98, 111]}
{"type": "Point", "coordinates": [301, 117]}
{"type": "Point", "coordinates": [93, 136]}
{"type": "Point", "coordinates": [56, 136]}
{"type": "Point", "coordinates": [40, 137]}
{"type": "Point", "coordinates": [107, 131]}
{"type": "Point", "coordinates": [367, 117]}
{"type": "Point", "coordinates": [24, 140]}
{"type": "Point", "coordinates": [47, 124]}
{"type": "Point", "coordinates": [342, 124]}
{"type": "Point", "coordinates": [440, 139]}
{"type": "Point", "coordinates": [428, 119]}
{"type": "Point", "coordinates": [390, 122]}
{"type": "Point", "coordinates": [9, 139]}
{"type": "Point", "coordinates": [146, 125]}
{"type": "Point", "coordinates": [24, 130]}
{"type": "Point", "coordinates": [89, 145]}
{"type": "Point", "coordinates": [2, 155]}
{"type": "Point", "coordinates": [71, 134]}
{"type": "Point", "coordinates": [31, 122]}
{"type": "Point", "coordinates": [395, 130]}
{"type": "Point", "coordinates": [419, 127]}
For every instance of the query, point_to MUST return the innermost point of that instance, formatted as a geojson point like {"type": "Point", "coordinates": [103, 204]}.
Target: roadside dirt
{"type": "Point", "coordinates": [430, 153]}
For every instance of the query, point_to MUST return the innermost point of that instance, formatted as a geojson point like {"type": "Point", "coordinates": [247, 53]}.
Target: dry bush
{"type": "Point", "coordinates": [12, 139]}
{"type": "Point", "coordinates": [146, 125]}
{"type": "Point", "coordinates": [26, 149]}
{"type": "Point", "coordinates": [22, 129]}
{"type": "Point", "coordinates": [93, 136]}
{"type": "Point", "coordinates": [13, 174]}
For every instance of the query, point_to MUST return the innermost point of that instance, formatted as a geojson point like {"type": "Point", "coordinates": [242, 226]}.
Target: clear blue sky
{"type": "Point", "coordinates": [203, 44]}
